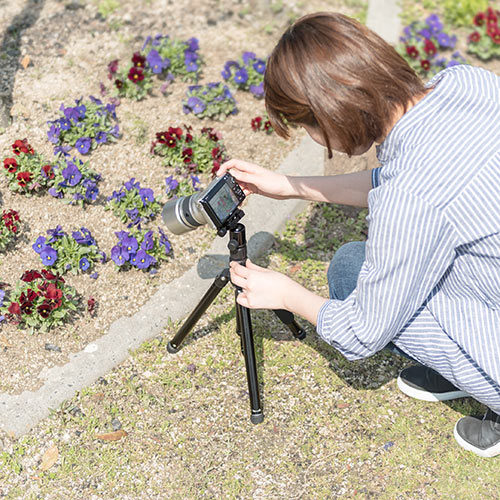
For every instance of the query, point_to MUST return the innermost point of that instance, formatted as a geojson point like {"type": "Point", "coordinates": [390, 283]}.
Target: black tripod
{"type": "Point", "coordinates": [237, 252]}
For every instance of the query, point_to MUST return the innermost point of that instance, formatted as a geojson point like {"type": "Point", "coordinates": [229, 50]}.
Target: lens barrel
{"type": "Point", "coordinates": [183, 214]}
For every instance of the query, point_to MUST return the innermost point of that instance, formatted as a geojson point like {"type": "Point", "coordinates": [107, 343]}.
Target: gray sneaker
{"type": "Point", "coordinates": [481, 436]}
{"type": "Point", "coordinates": [423, 383]}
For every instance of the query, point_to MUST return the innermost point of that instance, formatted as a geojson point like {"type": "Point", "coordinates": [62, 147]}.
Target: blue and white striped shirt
{"type": "Point", "coordinates": [430, 282]}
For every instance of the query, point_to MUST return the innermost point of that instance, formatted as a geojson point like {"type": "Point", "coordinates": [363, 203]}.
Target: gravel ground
{"type": "Point", "coordinates": [68, 45]}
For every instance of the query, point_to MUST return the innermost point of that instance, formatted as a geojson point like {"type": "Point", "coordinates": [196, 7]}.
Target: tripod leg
{"type": "Point", "coordinates": [257, 416]}
{"type": "Point", "coordinates": [288, 319]}
{"type": "Point", "coordinates": [215, 288]}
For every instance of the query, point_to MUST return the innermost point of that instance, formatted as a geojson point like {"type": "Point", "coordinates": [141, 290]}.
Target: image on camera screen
{"type": "Point", "coordinates": [224, 202]}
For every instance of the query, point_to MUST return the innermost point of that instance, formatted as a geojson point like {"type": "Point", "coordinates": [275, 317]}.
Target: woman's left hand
{"type": "Point", "coordinates": [261, 287]}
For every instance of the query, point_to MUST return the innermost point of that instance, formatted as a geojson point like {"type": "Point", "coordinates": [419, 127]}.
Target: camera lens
{"type": "Point", "coordinates": [183, 214]}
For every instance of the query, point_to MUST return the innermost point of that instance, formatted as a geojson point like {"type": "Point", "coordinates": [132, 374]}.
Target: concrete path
{"type": "Point", "coordinates": [20, 413]}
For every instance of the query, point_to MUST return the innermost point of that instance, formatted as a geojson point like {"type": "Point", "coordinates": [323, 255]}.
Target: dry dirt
{"type": "Point", "coordinates": [69, 44]}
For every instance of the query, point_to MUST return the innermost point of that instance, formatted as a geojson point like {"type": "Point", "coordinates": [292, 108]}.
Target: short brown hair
{"type": "Point", "coordinates": [331, 72]}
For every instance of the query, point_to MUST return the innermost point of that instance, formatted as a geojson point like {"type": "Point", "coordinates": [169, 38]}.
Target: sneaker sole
{"type": "Point", "coordinates": [488, 453]}
{"type": "Point", "coordinates": [426, 395]}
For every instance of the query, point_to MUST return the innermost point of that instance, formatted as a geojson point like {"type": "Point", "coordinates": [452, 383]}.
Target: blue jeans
{"type": "Point", "coordinates": [343, 275]}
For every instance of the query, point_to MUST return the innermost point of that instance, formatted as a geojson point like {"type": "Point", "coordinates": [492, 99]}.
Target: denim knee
{"type": "Point", "coordinates": [344, 269]}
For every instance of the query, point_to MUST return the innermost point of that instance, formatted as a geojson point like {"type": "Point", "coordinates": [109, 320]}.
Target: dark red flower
{"type": "Point", "coordinates": [51, 277]}
{"type": "Point", "coordinates": [53, 296]}
{"type": "Point", "coordinates": [216, 167]}
{"type": "Point", "coordinates": [479, 19]}
{"type": "Point", "coordinates": [267, 125]}
{"type": "Point", "coordinates": [187, 153]}
{"type": "Point", "coordinates": [162, 137]}
{"type": "Point", "coordinates": [112, 68]}
{"type": "Point", "coordinates": [177, 131]}
{"type": "Point", "coordinates": [474, 37]}
{"type": "Point", "coordinates": [48, 171]}
{"type": "Point", "coordinates": [425, 64]}
{"type": "Point", "coordinates": [429, 47]}
{"type": "Point", "coordinates": [44, 309]}
{"type": "Point", "coordinates": [22, 147]}
{"type": "Point", "coordinates": [412, 51]}
{"type": "Point", "coordinates": [14, 308]}
{"type": "Point", "coordinates": [188, 138]}
{"type": "Point", "coordinates": [91, 305]}
{"type": "Point", "coordinates": [118, 84]}
{"type": "Point", "coordinates": [135, 75]}
{"type": "Point", "coordinates": [256, 123]}
{"type": "Point", "coordinates": [171, 142]}
{"type": "Point", "coordinates": [29, 276]}
{"type": "Point", "coordinates": [23, 178]}
{"type": "Point", "coordinates": [216, 153]}
{"type": "Point", "coordinates": [138, 60]}
{"type": "Point", "coordinates": [494, 33]}
{"type": "Point", "coordinates": [10, 164]}
{"type": "Point", "coordinates": [491, 15]}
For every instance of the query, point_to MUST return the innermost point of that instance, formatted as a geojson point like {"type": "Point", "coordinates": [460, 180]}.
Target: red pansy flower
{"type": "Point", "coordinates": [425, 64]}
{"type": "Point", "coordinates": [44, 309]}
{"type": "Point", "coordinates": [138, 60]}
{"type": "Point", "coordinates": [188, 138]}
{"type": "Point", "coordinates": [267, 125]}
{"type": "Point", "coordinates": [53, 296]}
{"type": "Point", "coordinates": [135, 75]}
{"type": "Point", "coordinates": [10, 164]}
{"type": "Point", "coordinates": [177, 131]}
{"type": "Point", "coordinates": [48, 171]}
{"type": "Point", "coordinates": [14, 308]}
{"type": "Point", "coordinates": [118, 84]}
{"type": "Point", "coordinates": [29, 276]}
{"type": "Point", "coordinates": [474, 37]}
{"type": "Point", "coordinates": [256, 123]}
{"type": "Point", "coordinates": [429, 47]}
{"type": "Point", "coordinates": [170, 141]}
{"type": "Point", "coordinates": [23, 178]}
{"type": "Point", "coordinates": [50, 276]}
{"type": "Point", "coordinates": [412, 51]}
{"type": "Point", "coordinates": [479, 19]}
{"type": "Point", "coordinates": [162, 137]}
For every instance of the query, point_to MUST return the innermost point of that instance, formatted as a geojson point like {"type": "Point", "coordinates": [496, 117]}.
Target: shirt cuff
{"type": "Point", "coordinates": [376, 177]}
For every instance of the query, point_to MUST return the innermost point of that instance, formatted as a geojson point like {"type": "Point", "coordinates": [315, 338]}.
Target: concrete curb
{"type": "Point", "coordinates": [173, 301]}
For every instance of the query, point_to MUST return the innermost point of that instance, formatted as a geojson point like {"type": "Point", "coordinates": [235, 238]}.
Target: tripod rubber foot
{"type": "Point", "coordinates": [257, 418]}
{"type": "Point", "coordinates": [171, 349]}
{"type": "Point", "coordinates": [300, 334]}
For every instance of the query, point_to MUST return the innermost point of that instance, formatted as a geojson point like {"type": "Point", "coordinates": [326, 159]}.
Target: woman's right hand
{"type": "Point", "coordinates": [254, 179]}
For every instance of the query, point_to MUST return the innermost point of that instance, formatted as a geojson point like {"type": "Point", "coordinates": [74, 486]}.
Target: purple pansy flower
{"type": "Point", "coordinates": [39, 244]}
{"type": "Point", "coordinates": [130, 244]}
{"type": "Point", "coordinates": [147, 242]}
{"type": "Point", "coordinates": [142, 260]}
{"type": "Point", "coordinates": [48, 256]}
{"type": "Point", "coordinates": [83, 145]}
{"type": "Point", "coordinates": [119, 255]}
{"type": "Point", "coordinates": [84, 264]}
{"type": "Point", "coordinates": [146, 195]}
{"type": "Point", "coordinates": [72, 174]}
{"type": "Point", "coordinates": [101, 137]}
{"type": "Point", "coordinates": [196, 105]}
{"type": "Point", "coordinates": [171, 183]}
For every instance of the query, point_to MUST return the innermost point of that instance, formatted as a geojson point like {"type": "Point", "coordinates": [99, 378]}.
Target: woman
{"type": "Point", "coordinates": [427, 281]}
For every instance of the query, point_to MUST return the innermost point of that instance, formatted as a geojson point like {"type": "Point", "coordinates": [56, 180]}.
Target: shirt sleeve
{"type": "Point", "coordinates": [409, 247]}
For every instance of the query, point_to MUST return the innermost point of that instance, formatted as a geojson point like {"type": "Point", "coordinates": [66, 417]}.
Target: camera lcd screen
{"type": "Point", "coordinates": [223, 202]}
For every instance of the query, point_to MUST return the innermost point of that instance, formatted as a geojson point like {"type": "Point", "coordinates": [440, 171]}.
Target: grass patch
{"type": "Point", "coordinates": [332, 428]}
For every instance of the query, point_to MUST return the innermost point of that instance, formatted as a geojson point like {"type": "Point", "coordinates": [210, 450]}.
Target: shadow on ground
{"type": "Point", "coordinates": [10, 51]}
